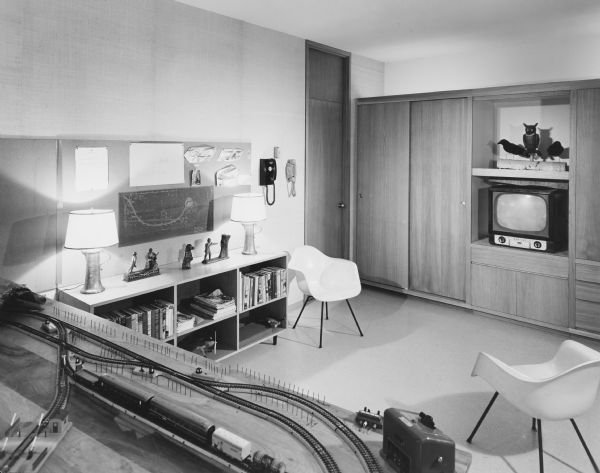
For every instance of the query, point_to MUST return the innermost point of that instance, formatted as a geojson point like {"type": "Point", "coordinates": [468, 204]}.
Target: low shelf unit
{"type": "Point", "coordinates": [214, 335]}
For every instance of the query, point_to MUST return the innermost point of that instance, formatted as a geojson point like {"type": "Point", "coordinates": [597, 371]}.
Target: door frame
{"type": "Point", "coordinates": [346, 161]}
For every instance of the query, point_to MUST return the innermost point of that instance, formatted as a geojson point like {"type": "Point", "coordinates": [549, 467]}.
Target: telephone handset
{"type": "Point", "coordinates": [290, 175]}
{"type": "Point", "coordinates": [267, 176]}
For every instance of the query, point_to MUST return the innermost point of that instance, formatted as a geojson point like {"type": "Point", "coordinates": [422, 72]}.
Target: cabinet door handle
{"type": "Point", "coordinates": [463, 203]}
{"type": "Point", "coordinates": [360, 196]}
{"type": "Point", "coordinates": [341, 205]}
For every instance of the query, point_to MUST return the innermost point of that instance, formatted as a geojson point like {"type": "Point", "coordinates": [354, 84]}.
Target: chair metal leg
{"type": "Point", "coordinates": [533, 427]}
{"type": "Point", "coordinates": [487, 409]}
{"type": "Point", "coordinates": [354, 317]}
{"type": "Point", "coordinates": [302, 310]}
{"type": "Point", "coordinates": [540, 446]}
{"type": "Point", "coordinates": [326, 311]}
{"type": "Point", "coordinates": [321, 334]}
{"type": "Point", "coordinates": [587, 450]}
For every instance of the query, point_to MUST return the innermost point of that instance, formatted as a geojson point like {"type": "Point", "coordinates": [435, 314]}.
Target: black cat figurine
{"type": "Point", "coordinates": [531, 140]}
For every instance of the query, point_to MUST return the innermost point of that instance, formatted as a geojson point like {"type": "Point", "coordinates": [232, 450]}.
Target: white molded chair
{"type": "Point", "coordinates": [562, 388]}
{"type": "Point", "coordinates": [324, 279]}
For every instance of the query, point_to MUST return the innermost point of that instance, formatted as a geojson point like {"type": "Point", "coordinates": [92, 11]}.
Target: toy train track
{"type": "Point", "coordinates": [323, 455]}
{"type": "Point", "coordinates": [60, 399]}
{"type": "Point", "coordinates": [335, 422]}
{"type": "Point", "coordinates": [222, 390]}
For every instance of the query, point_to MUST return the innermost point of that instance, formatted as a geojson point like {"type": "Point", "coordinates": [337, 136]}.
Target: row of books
{"type": "Point", "coordinates": [263, 285]}
{"type": "Point", "coordinates": [213, 305]}
{"type": "Point", "coordinates": [154, 319]}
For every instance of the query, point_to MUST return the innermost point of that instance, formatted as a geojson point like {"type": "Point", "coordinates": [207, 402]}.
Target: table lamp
{"type": "Point", "coordinates": [248, 209]}
{"type": "Point", "coordinates": [89, 231]}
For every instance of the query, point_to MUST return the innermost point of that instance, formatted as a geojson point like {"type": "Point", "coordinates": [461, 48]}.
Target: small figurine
{"type": "Point", "coordinates": [187, 257]}
{"type": "Point", "coordinates": [207, 250]}
{"type": "Point", "coordinates": [513, 148]}
{"type": "Point", "coordinates": [151, 259]}
{"type": "Point", "coordinates": [531, 140]}
{"type": "Point", "coordinates": [224, 253]}
{"type": "Point", "coordinates": [207, 345]}
{"type": "Point", "coordinates": [133, 262]}
{"type": "Point", "coordinates": [555, 149]}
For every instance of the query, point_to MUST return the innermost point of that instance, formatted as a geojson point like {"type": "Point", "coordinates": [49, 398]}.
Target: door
{"type": "Point", "coordinates": [439, 158]}
{"type": "Point", "coordinates": [383, 187]}
{"type": "Point", "coordinates": [327, 166]}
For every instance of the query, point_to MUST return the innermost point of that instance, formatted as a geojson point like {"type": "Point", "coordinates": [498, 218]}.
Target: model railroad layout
{"type": "Point", "coordinates": [16, 458]}
{"type": "Point", "coordinates": [192, 427]}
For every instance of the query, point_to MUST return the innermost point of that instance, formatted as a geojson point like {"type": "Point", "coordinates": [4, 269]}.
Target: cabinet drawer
{"type": "Point", "coordinates": [520, 260]}
{"type": "Point", "coordinates": [493, 288]}
{"type": "Point", "coordinates": [543, 298]}
{"type": "Point", "coordinates": [587, 315]}
{"type": "Point", "coordinates": [587, 272]}
{"type": "Point", "coordinates": [587, 291]}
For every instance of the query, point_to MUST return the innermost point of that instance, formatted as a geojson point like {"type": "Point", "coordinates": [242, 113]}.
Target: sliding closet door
{"type": "Point", "coordinates": [382, 204]}
{"type": "Point", "coordinates": [439, 135]}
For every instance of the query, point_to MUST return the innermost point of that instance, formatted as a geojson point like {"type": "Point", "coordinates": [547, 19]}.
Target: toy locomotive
{"type": "Point", "coordinates": [416, 446]}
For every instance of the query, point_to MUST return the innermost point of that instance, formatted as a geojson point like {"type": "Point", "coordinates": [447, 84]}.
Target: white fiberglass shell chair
{"type": "Point", "coordinates": [324, 279]}
{"type": "Point", "coordinates": [562, 388]}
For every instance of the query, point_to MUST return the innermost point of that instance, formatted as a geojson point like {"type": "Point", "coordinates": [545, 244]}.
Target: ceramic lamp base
{"type": "Point", "coordinates": [92, 284]}
{"type": "Point", "coordinates": [249, 248]}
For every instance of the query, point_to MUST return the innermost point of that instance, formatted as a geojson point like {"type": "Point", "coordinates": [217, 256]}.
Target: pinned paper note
{"type": "Point", "coordinates": [91, 168]}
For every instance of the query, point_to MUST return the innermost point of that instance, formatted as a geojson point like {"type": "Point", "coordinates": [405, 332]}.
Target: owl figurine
{"type": "Point", "coordinates": [531, 140]}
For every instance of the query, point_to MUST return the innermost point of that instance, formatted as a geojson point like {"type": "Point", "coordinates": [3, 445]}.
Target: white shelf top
{"type": "Point", "coordinates": [522, 174]}
{"type": "Point", "coordinates": [170, 275]}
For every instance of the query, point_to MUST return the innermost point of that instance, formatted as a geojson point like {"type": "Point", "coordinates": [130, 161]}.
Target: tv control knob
{"type": "Point", "coordinates": [537, 244]}
{"type": "Point", "coordinates": [502, 239]}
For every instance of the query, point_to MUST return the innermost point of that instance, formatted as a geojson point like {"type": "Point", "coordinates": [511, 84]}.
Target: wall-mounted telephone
{"type": "Point", "coordinates": [267, 176]}
{"type": "Point", "coordinates": [290, 175]}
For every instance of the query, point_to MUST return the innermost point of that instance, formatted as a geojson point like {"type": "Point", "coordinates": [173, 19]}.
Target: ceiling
{"type": "Point", "coordinates": [393, 30]}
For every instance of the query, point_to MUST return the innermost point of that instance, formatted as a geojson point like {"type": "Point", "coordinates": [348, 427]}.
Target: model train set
{"type": "Point", "coordinates": [179, 420]}
{"type": "Point", "coordinates": [185, 424]}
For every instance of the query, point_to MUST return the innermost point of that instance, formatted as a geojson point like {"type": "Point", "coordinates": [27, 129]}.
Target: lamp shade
{"type": "Point", "coordinates": [248, 208]}
{"type": "Point", "coordinates": [88, 229]}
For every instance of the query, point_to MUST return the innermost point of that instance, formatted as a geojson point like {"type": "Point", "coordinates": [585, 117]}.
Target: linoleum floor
{"type": "Point", "coordinates": [417, 355]}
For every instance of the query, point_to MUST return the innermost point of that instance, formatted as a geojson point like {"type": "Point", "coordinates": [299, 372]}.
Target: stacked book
{"type": "Point", "coordinates": [155, 318]}
{"type": "Point", "coordinates": [213, 305]}
{"type": "Point", "coordinates": [185, 322]}
{"type": "Point", "coordinates": [264, 285]}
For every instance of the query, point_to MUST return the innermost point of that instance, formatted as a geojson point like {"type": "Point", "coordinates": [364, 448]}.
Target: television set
{"type": "Point", "coordinates": [528, 217]}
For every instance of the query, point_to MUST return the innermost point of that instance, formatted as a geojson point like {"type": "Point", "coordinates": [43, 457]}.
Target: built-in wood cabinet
{"type": "Point", "coordinates": [587, 214]}
{"type": "Point", "coordinates": [453, 156]}
{"type": "Point", "coordinates": [520, 283]}
{"type": "Point", "coordinates": [439, 145]}
{"type": "Point", "coordinates": [382, 204]}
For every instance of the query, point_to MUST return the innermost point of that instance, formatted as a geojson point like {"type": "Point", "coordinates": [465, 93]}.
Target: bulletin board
{"type": "Point", "coordinates": [211, 173]}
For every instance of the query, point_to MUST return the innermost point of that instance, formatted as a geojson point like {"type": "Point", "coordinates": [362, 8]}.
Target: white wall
{"type": "Point", "coordinates": [550, 59]}
{"type": "Point", "coordinates": [154, 70]}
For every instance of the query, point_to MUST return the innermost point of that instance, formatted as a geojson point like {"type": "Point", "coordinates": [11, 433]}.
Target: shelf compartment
{"type": "Point", "coordinates": [255, 333]}
{"type": "Point", "coordinates": [225, 331]}
{"type": "Point", "coordinates": [522, 174]}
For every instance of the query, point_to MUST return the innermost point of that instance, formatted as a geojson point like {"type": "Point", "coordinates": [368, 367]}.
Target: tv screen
{"type": "Point", "coordinates": [521, 212]}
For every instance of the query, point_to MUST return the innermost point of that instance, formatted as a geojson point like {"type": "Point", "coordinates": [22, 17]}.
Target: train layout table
{"type": "Point", "coordinates": [100, 441]}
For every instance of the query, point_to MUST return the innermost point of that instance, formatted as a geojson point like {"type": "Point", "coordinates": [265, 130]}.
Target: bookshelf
{"type": "Point", "coordinates": [233, 330]}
